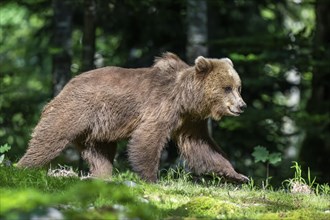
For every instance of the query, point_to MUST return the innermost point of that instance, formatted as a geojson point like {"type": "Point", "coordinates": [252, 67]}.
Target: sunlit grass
{"type": "Point", "coordinates": [26, 193]}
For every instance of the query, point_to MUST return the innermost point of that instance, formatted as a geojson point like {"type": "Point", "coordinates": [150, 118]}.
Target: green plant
{"type": "Point", "coordinates": [215, 179]}
{"type": "Point", "coordinates": [177, 173]}
{"type": "Point", "coordinates": [299, 184]}
{"type": "Point", "coordinates": [298, 175]}
{"type": "Point", "coordinates": [251, 184]}
{"type": "Point", "coordinates": [323, 189]}
{"type": "Point", "coordinates": [3, 149]}
{"type": "Point", "coordinates": [261, 154]}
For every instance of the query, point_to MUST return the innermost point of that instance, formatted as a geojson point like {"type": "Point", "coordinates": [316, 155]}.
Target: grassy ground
{"type": "Point", "coordinates": [26, 194]}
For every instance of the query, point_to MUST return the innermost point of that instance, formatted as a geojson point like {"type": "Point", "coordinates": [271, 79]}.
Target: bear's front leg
{"type": "Point", "coordinates": [201, 152]}
{"type": "Point", "coordinates": [145, 147]}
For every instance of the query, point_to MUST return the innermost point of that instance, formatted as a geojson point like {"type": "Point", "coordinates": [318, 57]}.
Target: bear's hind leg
{"type": "Point", "coordinates": [144, 150]}
{"type": "Point", "coordinates": [100, 157]}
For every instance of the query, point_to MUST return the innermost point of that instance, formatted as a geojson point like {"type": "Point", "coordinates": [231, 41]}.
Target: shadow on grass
{"type": "Point", "coordinates": [28, 193]}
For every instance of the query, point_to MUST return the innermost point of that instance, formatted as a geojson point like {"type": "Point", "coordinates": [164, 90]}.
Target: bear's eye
{"type": "Point", "coordinates": [227, 89]}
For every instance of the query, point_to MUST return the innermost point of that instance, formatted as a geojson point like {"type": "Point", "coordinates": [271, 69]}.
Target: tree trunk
{"type": "Point", "coordinates": [61, 44]}
{"type": "Point", "coordinates": [89, 35]}
{"type": "Point", "coordinates": [196, 29]}
{"type": "Point", "coordinates": [315, 150]}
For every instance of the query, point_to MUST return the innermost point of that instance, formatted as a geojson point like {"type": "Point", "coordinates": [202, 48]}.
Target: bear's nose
{"type": "Point", "coordinates": [242, 106]}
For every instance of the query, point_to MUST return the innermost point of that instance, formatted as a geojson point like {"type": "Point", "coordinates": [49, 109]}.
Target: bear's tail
{"type": "Point", "coordinates": [39, 153]}
{"type": "Point", "coordinates": [47, 142]}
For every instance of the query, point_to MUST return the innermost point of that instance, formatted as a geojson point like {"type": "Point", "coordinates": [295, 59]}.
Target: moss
{"type": "Point", "coordinates": [24, 200]}
{"type": "Point", "coordinates": [206, 207]}
{"type": "Point", "coordinates": [301, 214]}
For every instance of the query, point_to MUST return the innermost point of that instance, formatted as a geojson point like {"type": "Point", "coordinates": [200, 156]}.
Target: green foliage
{"type": "Point", "coordinates": [262, 154]}
{"type": "Point", "coordinates": [23, 86]}
{"type": "Point", "coordinates": [3, 149]}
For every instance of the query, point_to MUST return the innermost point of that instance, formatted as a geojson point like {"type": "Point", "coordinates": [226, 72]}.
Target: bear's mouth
{"type": "Point", "coordinates": [235, 113]}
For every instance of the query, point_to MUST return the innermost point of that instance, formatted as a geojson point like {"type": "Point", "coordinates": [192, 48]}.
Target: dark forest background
{"type": "Point", "coordinates": [280, 49]}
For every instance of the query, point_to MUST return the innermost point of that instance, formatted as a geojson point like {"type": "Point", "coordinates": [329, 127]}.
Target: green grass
{"type": "Point", "coordinates": [28, 193]}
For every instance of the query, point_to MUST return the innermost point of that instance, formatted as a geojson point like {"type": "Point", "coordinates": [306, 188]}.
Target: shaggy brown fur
{"type": "Point", "coordinates": [147, 105]}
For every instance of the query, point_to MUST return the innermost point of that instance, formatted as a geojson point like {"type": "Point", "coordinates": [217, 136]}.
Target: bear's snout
{"type": "Point", "coordinates": [242, 106]}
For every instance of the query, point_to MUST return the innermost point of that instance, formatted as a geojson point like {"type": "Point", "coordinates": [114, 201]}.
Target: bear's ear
{"type": "Point", "coordinates": [202, 65]}
{"type": "Point", "coordinates": [226, 59]}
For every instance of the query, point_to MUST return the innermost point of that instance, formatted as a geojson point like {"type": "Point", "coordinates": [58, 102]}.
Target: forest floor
{"type": "Point", "coordinates": [38, 194]}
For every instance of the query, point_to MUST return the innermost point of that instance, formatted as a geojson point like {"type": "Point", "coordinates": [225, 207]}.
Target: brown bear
{"type": "Point", "coordinates": [169, 100]}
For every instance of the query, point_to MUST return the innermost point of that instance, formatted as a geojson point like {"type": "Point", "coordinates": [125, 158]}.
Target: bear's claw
{"type": "Point", "coordinates": [244, 179]}
{"type": "Point", "coordinates": [238, 178]}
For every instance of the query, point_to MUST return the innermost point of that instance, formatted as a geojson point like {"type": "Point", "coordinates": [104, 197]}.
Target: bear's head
{"type": "Point", "coordinates": [221, 85]}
